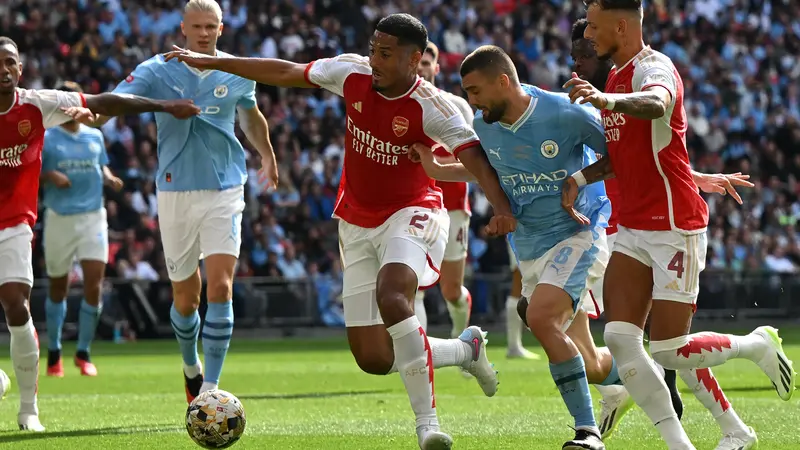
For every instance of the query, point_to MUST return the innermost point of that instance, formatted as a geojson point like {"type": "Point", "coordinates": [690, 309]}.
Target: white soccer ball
{"type": "Point", "coordinates": [215, 419]}
{"type": "Point", "coordinates": [5, 384]}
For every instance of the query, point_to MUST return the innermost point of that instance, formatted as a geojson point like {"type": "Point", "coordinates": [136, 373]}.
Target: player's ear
{"type": "Point", "coordinates": [219, 32]}
{"type": "Point", "coordinates": [505, 81]}
{"type": "Point", "coordinates": [416, 57]}
{"type": "Point", "coordinates": [183, 30]}
{"type": "Point", "coordinates": [436, 69]}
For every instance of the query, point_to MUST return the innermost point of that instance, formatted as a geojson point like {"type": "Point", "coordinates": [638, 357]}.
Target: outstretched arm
{"type": "Point", "coordinates": [274, 72]}
{"type": "Point", "coordinates": [110, 104]}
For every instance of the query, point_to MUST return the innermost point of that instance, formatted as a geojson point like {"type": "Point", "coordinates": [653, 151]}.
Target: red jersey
{"type": "Point", "coordinates": [378, 177]}
{"type": "Point", "coordinates": [656, 188]}
{"type": "Point", "coordinates": [456, 194]}
{"type": "Point", "coordinates": [21, 139]}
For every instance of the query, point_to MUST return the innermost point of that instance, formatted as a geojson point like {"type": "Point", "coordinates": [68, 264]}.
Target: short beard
{"type": "Point", "coordinates": [496, 113]}
{"type": "Point", "coordinates": [607, 56]}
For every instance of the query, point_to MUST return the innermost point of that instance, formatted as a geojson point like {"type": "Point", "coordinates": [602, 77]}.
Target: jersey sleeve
{"type": "Point", "coordinates": [50, 102]}
{"type": "Point", "coordinates": [652, 72]}
{"type": "Point", "coordinates": [139, 82]}
{"type": "Point", "coordinates": [464, 109]}
{"type": "Point", "coordinates": [248, 100]}
{"type": "Point", "coordinates": [331, 73]}
{"type": "Point", "coordinates": [443, 123]}
{"type": "Point", "coordinates": [587, 119]}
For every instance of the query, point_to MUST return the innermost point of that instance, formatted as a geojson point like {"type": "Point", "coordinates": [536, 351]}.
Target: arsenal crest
{"type": "Point", "coordinates": [620, 89]}
{"type": "Point", "coordinates": [24, 127]}
{"type": "Point", "coordinates": [399, 126]}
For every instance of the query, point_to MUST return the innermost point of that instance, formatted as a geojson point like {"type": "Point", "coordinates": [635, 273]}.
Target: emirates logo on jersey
{"type": "Point", "coordinates": [12, 156]}
{"type": "Point", "coordinates": [399, 126]}
{"type": "Point", "coordinates": [24, 127]}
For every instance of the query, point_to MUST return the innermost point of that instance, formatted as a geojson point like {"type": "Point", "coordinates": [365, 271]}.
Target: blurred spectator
{"type": "Point", "coordinates": [738, 59]}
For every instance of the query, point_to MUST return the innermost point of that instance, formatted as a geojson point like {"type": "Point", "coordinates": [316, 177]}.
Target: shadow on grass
{"type": "Point", "coordinates": [310, 395]}
{"type": "Point", "coordinates": [21, 436]}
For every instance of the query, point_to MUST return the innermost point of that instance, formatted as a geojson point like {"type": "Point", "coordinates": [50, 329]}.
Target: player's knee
{"type": "Point", "coordinates": [543, 323]}
{"type": "Point", "coordinates": [522, 310]}
{"type": "Point", "coordinates": [373, 361]}
{"type": "Point", "coordinates": [219, 290]}
{"type": "Point", "coordinates": [13, 297]}
{"type": "Point", "coordinates": [57, 291]}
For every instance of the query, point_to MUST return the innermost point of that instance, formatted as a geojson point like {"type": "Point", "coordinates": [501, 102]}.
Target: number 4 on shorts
{"type": "Point", "coordinates": [676, 264]}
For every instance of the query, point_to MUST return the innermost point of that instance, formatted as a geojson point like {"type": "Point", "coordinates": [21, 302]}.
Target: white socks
{"type": "Point", "coordinates": [706, 389]}
{"type": "Point", "coordinates": [513, 324]}
{"type": "Point", "coordinates": [643, 382]}
{"type": "Point", "coordinates": [25, 357]}
{"type": "Point", "coordinates": [703, 350]}
{"type": "Point", "coordinates": [193, 370]}
{"type": "Point", "coordinates": [419, 310]}
{"type": "Point", "coordinates": [446, 353]}
{"type": "Point", "coordinates": [414, 360]}
{"type": "Point", "coordinates": [459, 312]}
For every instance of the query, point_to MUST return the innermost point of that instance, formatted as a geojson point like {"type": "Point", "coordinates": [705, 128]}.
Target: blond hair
{"type": "Point", "coordinates": [206, 6]}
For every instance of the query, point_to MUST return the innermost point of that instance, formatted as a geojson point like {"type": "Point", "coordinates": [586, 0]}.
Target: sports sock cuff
{"type": "Point", "coordinates": [22, 329]}
{"type": "Point", "coordinates": [669, 344]}
{"type": "Point", "coordinates": [404, 327]}
{"type": "Point", "coordinates": [624, 328]}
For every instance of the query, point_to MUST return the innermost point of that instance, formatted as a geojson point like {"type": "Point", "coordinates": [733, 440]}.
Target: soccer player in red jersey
{"type": "Point", "coordinates": [24, 116]}
{"type": "Point", "coordinates": [661, 244]}
{"type": "Point", "coordinates": [393, 228]}
{"type": "Point", "coordinates": [616, 400]}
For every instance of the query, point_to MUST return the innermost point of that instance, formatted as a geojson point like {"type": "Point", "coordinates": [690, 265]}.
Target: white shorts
{"type": "Point", "coordinates": [16, 255]}
{"type": "Point", "coordinates": [574, 265]}
{"type": "Point", "coordinates": [594, 304]}
{"type": "Point", "coordinates": [512, 258]}
{"type": "Point", "coordinates": [458, 237]}
{"type": "Point", "coordinates": [676, 259]}
{"type": "Point", "coordinates": [75, 236]}
{"type": "Point", "coordinates": [198, 223]}
{"type": "Point", "coordinates": [412, 236]}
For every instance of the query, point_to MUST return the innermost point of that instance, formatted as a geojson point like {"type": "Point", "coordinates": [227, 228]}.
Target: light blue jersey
{"type": "Point", "coordinates": [534, 156]}
{"type": "Point", "coordinates": [81, 157]}
{"type": "Point", "coordinates": [200, 153]}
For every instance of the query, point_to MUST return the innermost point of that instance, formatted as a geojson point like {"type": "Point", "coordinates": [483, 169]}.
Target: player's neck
{"type": "Point", "coordinates": [517, 105]}
{"type": "Point", "coordinates": [401, 89]}
{"type": "Point", "coordinates": [7, 101]}
{"type": "Point", "coordinates": [627, 53]}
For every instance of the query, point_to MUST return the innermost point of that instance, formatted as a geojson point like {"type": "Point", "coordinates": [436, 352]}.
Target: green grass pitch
{"type": "Point", "coordinates": [310, 395]}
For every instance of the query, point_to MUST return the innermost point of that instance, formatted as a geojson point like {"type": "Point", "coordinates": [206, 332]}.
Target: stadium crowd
{"type": "Point", "coordinates": [738, 58]}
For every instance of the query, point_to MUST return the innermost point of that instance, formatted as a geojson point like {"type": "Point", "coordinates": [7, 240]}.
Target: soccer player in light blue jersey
{"type": "Point", "coordinates": [534, 139]}
{"type": "Point", "coordinates": [74, 172]}
{"type": "Point", "coordinates": [200, 181]}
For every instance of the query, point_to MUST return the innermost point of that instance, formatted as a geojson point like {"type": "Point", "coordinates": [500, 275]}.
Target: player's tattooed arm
{"type": "Point", "coordinates": [598, 171]}
{"type": "Point", "coordinates": [649, 105]}
{"type": "Point", "coordinates": [110, 104]}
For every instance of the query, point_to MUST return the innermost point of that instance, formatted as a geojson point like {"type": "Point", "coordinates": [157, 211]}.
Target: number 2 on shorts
{"type": "Point", "coordinates": [417, 220]}
{"type": "Point", "coordinates": [676, 264]}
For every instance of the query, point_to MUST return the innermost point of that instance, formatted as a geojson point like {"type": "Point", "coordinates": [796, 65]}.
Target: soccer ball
{"type": "Point", "coordinates": [215, 419]}
{"type": "Point", "coordinates": [5, 384]}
